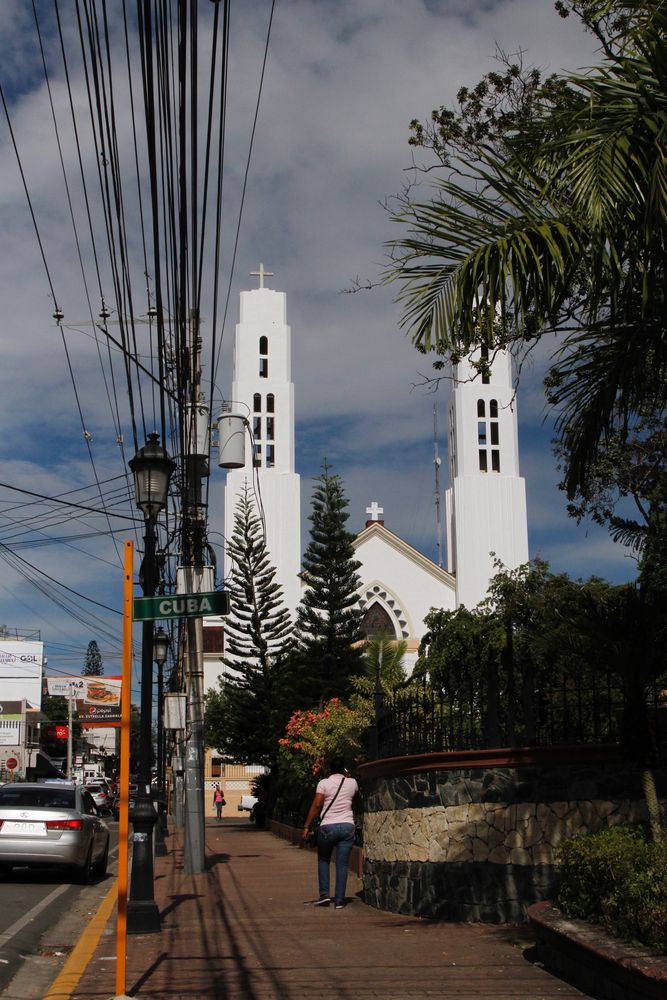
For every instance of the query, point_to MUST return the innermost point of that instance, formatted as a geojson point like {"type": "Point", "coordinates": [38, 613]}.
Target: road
{"type": "Point", "coordinates": [42, 915]}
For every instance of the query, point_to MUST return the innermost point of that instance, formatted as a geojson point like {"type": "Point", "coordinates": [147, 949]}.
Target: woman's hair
{"type": "Point", "coordinates": [337, 765]}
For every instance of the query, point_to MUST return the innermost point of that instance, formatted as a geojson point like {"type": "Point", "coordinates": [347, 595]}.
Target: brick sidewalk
{"type": "Point", "coordinates": [241, 931]}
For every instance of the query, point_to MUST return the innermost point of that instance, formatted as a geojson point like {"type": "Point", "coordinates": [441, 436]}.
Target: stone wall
{"type": "Point", "coordinates": [474, 836]}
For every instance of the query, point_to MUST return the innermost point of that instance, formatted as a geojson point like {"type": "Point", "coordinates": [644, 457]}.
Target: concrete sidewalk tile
{"type": "Point", "coordinates": [243, 931]}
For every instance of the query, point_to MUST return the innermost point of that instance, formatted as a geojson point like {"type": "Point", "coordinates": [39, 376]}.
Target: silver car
{"type": "Point", "coordinates": [42, 825]}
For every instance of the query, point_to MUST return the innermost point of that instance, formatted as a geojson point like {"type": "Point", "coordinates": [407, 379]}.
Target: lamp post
{"type": "Point", "coordinates": [160, 647]}
{"type": "Point", "coordinates": [152, 469]}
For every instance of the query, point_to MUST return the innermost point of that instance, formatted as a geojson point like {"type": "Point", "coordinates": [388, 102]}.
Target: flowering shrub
{"type": "Point", "coordinates": [310, 736]}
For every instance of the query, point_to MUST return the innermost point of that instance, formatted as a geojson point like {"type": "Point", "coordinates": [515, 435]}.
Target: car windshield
{"type": "Point", "coordinates": [15, 797]}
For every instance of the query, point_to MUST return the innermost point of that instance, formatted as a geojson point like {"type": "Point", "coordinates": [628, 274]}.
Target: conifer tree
{"type": "Point", "coordinates": [93, 663]}
{"type": "Point", "coordinates": [246, 715]}
{"type": "Point", "coordinates": [329, 617]}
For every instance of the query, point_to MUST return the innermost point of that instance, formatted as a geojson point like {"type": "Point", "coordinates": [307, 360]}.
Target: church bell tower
{"type": "Point", "coordinates": [486, 502]}
{"type": "Point", "coordinates": [263, 389]}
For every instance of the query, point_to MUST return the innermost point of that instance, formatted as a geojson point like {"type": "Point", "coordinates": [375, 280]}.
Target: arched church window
{"type": "Point", "coordinates": [257, 403]}
{"type": "Point", "coordinates": [376, 620]}
{"type": "Point", "coordinates": [269, 403]}
{"type": "Point", "coordinates": [480, 408]}
{"type": "Point", "coordinates": [263, 345]}
{"type": "Point", "coordinates": [493, 409]}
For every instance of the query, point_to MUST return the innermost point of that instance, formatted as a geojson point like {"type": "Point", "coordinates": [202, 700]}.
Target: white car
{"type": "Point", "coordinates": [247, 803]}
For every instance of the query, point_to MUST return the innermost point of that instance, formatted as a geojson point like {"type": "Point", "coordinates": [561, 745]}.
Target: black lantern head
{"type": "Point", "coordinates": [160, 646]}
{"type": "Point", "coordinates": [152, 470]}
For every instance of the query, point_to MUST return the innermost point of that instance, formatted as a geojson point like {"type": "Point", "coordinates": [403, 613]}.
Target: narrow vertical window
{"type": "Point", "coordinates": [269, 403]}
{"type": "Point", "coordinates": [257, 427]}
{"type": "Point", "coordinates": [257, 457]}
{"type": "Point", "coordinates": [257, 403]}
{"type": "Point", "coordinates": [263, 367]}
{"type": "Point", "coordinates": [480, 408]}
{"type": "Point", "coordinates": [482, 460]}
{"type": "Point", "coordinates": [270, 456]}
{"type": "Point", "coordinates": [481, 432]}
{"type": "Point", "coordinates": [495, 460]}
{"type": "Point", "coordinates": [270, 428]}
{"type": "Point", "coordinates": [493, 409]}
{"type": "Point", "coordinates": [494, 432]}
{"type": "Point", "coordinates": [484, 352]}
{"type": "Point", "coordinates": [264, 345]}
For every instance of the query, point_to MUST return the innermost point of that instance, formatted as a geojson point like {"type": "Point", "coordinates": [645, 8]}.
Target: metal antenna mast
{"type": "Point", "coordinates": [437, 463]}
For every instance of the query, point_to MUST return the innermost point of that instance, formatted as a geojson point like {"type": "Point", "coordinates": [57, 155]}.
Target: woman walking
{"type": "Point", "coordinates": [333, 801]}
{"type": "Point", "coordinates": [218, 800]}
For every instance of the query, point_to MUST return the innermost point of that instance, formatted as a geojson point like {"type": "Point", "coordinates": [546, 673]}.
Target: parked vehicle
{"type": "Point", "coordinates": [42, 825]}
{"type": "Point", "coordinates": [101, 796]}
{"type": "Point", "coordinates": [131, 799]}
{"type": "Point", "coordinates": [247, 803]}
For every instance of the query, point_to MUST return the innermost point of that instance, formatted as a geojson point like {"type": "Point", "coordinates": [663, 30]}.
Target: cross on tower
{"type": "Point", "coordinates": [261, 274]}
{"type": "Point", "coordinates": [375, 510]}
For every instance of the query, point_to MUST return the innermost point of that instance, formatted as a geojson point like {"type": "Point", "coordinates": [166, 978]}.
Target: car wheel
{"type": "Point", "coordinates": [100, 867]}
{"type": "Point", "coordinates": [83, 874]}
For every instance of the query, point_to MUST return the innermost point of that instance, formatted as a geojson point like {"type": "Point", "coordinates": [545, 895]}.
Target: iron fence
{"type": "Point", "coordinates": [563, 709]}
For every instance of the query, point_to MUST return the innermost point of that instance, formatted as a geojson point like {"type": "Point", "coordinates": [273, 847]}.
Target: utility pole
{"type": "Point", "coordinates": [69, 731]}
{"type": "Point", "coordinates": [437, 463]}
{"type": "Point", "coordinates": [194, 533]}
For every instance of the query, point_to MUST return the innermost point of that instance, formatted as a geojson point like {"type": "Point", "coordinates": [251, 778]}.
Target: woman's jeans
{"type": "Point", "coordinates": [341, 837]}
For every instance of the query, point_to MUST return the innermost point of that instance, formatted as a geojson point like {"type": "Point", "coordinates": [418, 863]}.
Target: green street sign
{"type": "Point", "coordinates": [181, 606]}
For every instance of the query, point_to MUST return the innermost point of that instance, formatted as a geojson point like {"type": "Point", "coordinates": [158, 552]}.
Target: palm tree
{"type": "Point", "coordinates": [570, 237]}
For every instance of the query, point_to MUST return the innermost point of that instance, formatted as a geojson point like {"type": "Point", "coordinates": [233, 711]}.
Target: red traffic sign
{"type": "Point", "coordinates": [11, 763]}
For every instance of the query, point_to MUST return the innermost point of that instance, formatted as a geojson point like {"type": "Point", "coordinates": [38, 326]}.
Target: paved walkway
{"type": "Point", "coordinates": [243, 931]}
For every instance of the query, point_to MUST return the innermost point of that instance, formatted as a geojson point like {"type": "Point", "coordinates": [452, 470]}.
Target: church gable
{"type": "Point", "coordinates": [400, 584]}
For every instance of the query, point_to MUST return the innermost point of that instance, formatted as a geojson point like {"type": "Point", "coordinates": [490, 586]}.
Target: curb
{"type": "Point", "coordinates": [593, 960]}
{"type": "Point", "coordinates": [68, 978]}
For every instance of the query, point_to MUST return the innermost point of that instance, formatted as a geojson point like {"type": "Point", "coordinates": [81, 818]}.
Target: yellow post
{"type": "Point", "coordinates": [123, 825]}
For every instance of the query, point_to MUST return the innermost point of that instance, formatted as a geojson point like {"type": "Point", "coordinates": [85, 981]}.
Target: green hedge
{"type": "Point", "coordinates": [618, 879]}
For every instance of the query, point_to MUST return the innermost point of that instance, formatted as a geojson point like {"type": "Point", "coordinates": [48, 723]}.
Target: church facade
{"type": "Point", "coordinates": [485, 503]}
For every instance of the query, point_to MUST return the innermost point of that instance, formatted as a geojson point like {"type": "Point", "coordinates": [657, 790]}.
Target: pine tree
{"type": "Point", "coordinates": [93, 664]}
{"type": "Point", "coordinates": [329, 617]}
{"type": "Point", "coordinates": [246, 715]}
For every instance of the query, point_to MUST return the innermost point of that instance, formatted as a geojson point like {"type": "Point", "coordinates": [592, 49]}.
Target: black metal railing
{"type": "Point", "coordinates": [561, 709]}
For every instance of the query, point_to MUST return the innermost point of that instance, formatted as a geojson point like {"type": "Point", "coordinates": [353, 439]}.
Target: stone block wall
{"type": "Point", "coordinates": [474, 836]}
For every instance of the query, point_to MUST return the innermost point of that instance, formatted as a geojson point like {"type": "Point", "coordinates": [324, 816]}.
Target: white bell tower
{"type": "Point", "coordinates": [486, 502]}
{"type": "Point", "coordinates": [262, 386]}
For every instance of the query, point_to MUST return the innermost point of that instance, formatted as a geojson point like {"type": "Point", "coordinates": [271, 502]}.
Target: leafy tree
{"type": "Point", "coordinates": [329, 619]}
{"type": "Point", "coordinates": [93, 664]}
{"type": "Point", "coordinates": [558, 223]}
{"type": "Point", "coordinates": [246, 714]}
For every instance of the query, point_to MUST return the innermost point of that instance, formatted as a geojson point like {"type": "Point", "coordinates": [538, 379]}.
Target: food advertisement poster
{"type": "Point", "coordinates": [97, 699]}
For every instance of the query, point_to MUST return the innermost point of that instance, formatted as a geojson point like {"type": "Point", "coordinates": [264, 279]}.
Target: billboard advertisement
{"type": "Point", "coordinates": [21, 665]}
{"type": "Point", "coordinates": [96, 699]}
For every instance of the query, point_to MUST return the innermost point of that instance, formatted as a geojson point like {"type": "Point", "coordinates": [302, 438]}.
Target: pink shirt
{"type": "Point", "coordinates": [341, 810]}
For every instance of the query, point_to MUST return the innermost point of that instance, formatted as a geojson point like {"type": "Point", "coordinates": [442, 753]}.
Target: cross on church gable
{"type": "Point", "coordinates": [261, 274]}
{"type": "Point", "coordinates": [374, 510]}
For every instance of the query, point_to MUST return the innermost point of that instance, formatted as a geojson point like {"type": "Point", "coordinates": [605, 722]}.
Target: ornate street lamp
{"type": "Point", "coordinates": [152, 470]}
{"type": "Point", "coordinates": [160, 648]}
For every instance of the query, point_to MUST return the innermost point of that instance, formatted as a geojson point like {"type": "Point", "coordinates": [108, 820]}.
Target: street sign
{"type": "Point", "coordinates": [181, 606]}
{"type": "Point", "coordinates": [11, 763]}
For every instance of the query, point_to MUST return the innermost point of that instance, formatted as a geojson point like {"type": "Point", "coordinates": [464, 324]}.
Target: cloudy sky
{"type": "Point", "coordinates": [342, 82]}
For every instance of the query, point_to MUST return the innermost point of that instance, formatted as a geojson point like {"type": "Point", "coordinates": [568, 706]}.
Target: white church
{"type": "Point", "coordinates": [485, 503]}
